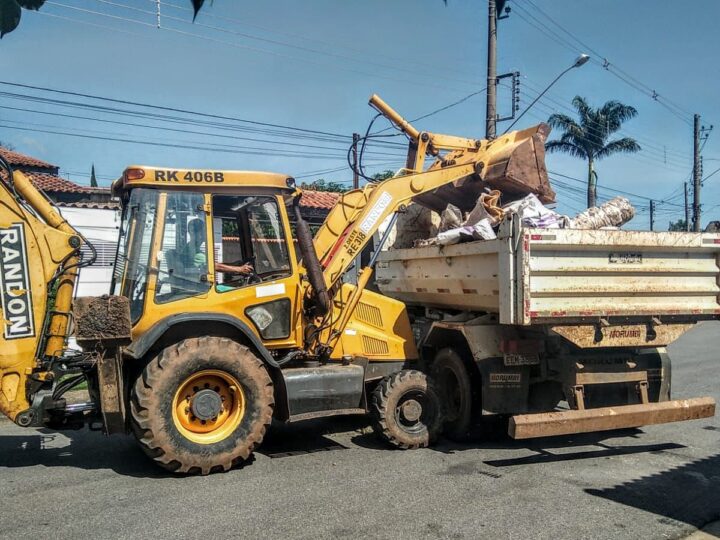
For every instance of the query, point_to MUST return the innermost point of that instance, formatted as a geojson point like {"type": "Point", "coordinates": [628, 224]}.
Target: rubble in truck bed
{"type": "Point", "coordinates": [514, 184]}
{"type": "Point", "coordinates": [421, 227]}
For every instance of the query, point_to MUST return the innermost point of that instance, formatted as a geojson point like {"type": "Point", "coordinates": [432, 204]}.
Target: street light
{"type": "Point", "coordinates": [579, 61]}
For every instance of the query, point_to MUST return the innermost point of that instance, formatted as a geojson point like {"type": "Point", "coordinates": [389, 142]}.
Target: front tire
{"type": "Point", "coordinates": [202, 405]}
{"type": "Point", "coordinates": [406, 410]}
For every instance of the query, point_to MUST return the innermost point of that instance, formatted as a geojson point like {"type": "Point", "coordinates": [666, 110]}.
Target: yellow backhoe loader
{"type": "Point", "coordinates": [225, 313]}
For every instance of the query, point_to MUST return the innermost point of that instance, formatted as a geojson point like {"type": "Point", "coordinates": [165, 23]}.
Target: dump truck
{"type": "Point", "coordinates": [225, 315]}
{"type": "Point", "coordinates": [537, 318]}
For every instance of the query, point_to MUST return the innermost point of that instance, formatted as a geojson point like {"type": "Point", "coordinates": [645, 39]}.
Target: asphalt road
{"type": "Point", "coordinates": [332, 479]}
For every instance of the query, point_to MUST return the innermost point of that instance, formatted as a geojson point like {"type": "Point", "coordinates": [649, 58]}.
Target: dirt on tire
{"type": "Point", "coordinates": [457, 392]}
{"type": "Point", "coordinates": [151, 404]}
{"type": "Point", "coordinates": [386, 398]}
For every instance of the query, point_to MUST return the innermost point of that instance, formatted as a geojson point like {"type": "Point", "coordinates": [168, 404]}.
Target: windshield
{"type": "Point", "coordinates": [133, 255]}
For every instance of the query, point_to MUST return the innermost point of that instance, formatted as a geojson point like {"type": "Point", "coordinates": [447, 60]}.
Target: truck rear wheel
{"type": "Point", "coordinates": [455, 390]}
{"type": "Point", "coordinates": [406, 410]}
{"type": "Point", "coordinates": [202, 405]}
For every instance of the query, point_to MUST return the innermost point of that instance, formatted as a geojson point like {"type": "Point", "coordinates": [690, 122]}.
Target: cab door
{"type": "Point", "coordinates": [254, 266]}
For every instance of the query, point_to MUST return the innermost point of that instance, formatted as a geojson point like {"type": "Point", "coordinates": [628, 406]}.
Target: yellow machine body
{"type": "Point", "coordinates": [315, 313]}
{"type": "Point", "coordinates": [378, 329]}
{"type": "Point", "coordinates": [34, 245]}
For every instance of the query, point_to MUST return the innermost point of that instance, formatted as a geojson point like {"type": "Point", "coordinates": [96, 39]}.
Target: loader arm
{"type": "Point", "coordinates": [38, 268]}
{"type": "Point", "coordinates": [515, 159]}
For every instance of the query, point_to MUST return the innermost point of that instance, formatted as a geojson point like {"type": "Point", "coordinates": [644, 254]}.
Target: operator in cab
{"type": "Point", "coordinates": [194, 255]}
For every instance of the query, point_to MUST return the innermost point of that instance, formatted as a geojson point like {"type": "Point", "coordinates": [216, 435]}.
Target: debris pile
{"type": "Point", "coordinates": [613, 213]}
{"type": "Point", "coordinates": [453, 226]}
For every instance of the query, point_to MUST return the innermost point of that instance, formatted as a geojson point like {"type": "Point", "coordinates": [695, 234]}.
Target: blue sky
{"type": "Point", "coordinates": [313, 65]}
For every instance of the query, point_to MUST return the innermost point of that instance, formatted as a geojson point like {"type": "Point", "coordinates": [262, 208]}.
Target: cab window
{"type": "Point", "coordinates": [183, 257]}
{"type": "Point", "coordinates": [249, 241]}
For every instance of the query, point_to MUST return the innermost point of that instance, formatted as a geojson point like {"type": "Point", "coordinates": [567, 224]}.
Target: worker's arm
{"type": "Point", "coordinates": [233, 269]}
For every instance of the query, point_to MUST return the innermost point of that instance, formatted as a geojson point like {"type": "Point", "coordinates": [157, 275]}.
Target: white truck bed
{"type": "Point", "coordinates": [530, 276]}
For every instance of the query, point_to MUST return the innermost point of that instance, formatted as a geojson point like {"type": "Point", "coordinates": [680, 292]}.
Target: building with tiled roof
{"type": "Point", "coordinates": [315, 205]}
{"type": "Point", "coordinates": [27, 163]}
{"type": "Point", "coordinates": [63, 192]}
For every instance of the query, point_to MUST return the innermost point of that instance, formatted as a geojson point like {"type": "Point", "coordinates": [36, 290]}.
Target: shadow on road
{"type": "Point", "coordinates": [308, 436]}
{"type": "Point", "coordinates": [85, 449]}
{"type": "Point", "coordinates": [91, 450]}
{"type": "Point", "coordinates": [689, 493]}
{"type": "Point", "coordinates": [493, 435]}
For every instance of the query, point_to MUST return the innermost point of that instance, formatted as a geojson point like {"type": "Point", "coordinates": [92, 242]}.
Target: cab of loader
{"type": "Point", "coordinates": [207, 242]}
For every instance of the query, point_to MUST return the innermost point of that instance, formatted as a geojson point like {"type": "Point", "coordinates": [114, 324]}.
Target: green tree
{"type": "Point", "coordinates": [587, 137]}
{"type": "Point", "coordinates": [379, 177]}
{"type": "Point", "coordinates": [322, 185]}
{"type": "Point", "coordinates": [7, 145]}
{"type": "Point", "coordinates": [679, 225]}
{"type": "Point", "coordinates": [93, 180]}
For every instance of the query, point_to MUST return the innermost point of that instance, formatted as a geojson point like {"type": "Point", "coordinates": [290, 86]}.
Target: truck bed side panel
{"type": "Point", "coordinates": [584, 273]}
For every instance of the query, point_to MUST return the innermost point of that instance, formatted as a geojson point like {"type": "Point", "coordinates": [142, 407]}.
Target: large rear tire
{"type": "Point", "coordinates": [202, 405]}
{"type": "Point", "coordinates": [406, 410]}
{"type": "Point", "coordinates": [455, 388]}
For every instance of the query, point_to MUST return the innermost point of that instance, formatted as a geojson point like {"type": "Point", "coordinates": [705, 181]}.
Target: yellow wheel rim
{"type": "Point", "coordinates": [208, 406]}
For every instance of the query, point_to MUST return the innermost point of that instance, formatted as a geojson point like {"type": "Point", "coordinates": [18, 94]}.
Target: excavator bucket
{"type": "Point", "coordinates": [517, 168]}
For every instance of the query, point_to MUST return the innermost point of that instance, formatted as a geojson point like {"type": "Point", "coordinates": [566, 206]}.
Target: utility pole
{"type": "Point", "coordinates": [652, 215]}
{"type": "Point", "coordinates": [687, 209]}
{"type": "Point", "coordinates": [491, 108]}
{"type": "Point", "coordinates": [356, 174]}
{"type": "Point", "coordinates": [696, 173]}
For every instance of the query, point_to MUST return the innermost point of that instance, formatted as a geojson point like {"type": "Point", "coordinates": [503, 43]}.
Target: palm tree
{"type": "Point", "coordinates": [587, 138]}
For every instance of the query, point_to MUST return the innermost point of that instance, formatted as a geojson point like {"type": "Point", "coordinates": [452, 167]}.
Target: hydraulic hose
{"type": "Point", "coordinates": [319, 290]}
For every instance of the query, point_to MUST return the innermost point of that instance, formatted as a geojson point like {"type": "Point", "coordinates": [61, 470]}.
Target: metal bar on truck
{"type": "Point", "coordinates": [528, 426]}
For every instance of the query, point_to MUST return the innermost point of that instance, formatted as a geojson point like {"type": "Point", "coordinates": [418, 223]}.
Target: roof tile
{"type": "Point", "coordinates": [324, 200]}
{"type": "Point", "coordinates": [109, 205]}
{"type": "Point", "coordinates": [52, 183]}
{"type": "Point", "coordinates": [17, 159]}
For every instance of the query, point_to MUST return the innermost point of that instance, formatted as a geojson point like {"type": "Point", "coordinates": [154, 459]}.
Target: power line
{"type": "Point", "coordinates": [169, 109]}
{"type": "Point", "coordinates": [189, 145]}
{"type": "Point", "coordinates": [436, 111]}
{"type": "Point", "coordinates": [623, 75]}
{"type": "Point", "coordinates": [657, 148]}
{"type": "Point", "coordinates": [621, 192]}
{"type": "Point", "coordinates": [251, 48]}
{"type": "Point", "coordinates": [175, 130]}
{"type": "Point", "coordinates": [637, 156]}
{"type": "Point", "coordinates": [646, 141]}
{"type": "Point", "coordinates": [644, 152]}
{"type": "Point", "coordinates": [334, 45]}
{"type": "Point", "coordinates": [710, 175]}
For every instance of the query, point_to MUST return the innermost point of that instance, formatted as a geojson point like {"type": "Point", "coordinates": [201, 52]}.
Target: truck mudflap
{"type": "Point", "coordinates": [528, 426]}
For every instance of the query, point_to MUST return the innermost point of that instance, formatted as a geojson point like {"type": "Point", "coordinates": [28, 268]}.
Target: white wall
{"type": "Point", "coordinates": [101, 228]}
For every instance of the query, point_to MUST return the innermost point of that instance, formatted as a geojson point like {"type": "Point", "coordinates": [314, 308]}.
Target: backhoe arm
{"type": "Point", "coordinates": [38, 259]}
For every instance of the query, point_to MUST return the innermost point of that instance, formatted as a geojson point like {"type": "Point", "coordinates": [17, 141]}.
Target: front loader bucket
{"type": "Point", "coordinates": [521, 170]}
{"type": "Point", "coordinates": [516, 168]}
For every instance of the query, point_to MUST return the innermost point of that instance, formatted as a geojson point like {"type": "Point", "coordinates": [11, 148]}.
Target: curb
{"type": "Point", "coordinates": [711, 531]}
